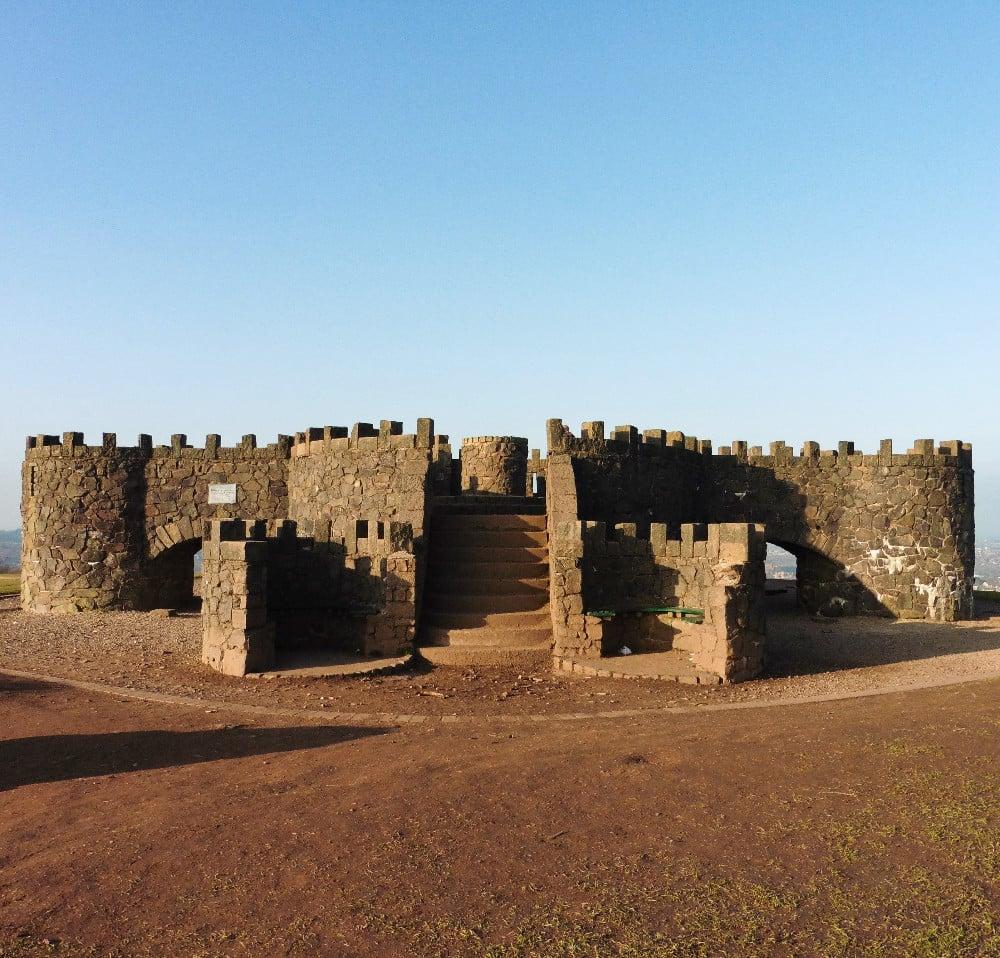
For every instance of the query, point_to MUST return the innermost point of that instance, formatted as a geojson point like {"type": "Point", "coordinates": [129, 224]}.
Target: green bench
{"type": "Point", "coordinates": [695, 616]}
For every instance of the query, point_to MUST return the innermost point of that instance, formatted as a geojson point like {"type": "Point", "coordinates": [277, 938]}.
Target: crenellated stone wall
{"type": "Point", "coordinates": [110, 527]}
{"type": "Point", "coordinates": [631, 477]}
{"type": "Point", "coordinates": [117, 527]}
{"type": "Point", "coordinates": [266, 589]}
{"type": "Point", "coordinates": [887, 534]}
{"type": "Point", "coordinates": [383, 473]}
{"type": "Point", "coordinates": [717, 569]}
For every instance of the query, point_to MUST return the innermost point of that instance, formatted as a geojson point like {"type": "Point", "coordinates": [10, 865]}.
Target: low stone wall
{"type": "Point", "coordinates": [595, 567]}
{"type": "Point", "coordinates": [495, 465]}
{"type": "Point", "coordinates": [717, 569]}
{"type": "Point", "coordinates": [265, 587]}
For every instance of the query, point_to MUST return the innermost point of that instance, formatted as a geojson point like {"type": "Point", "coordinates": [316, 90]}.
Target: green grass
{"type": "Point", "coordinates": [987, 594]}
{"type": "Point", "coordinates": [10, 583]}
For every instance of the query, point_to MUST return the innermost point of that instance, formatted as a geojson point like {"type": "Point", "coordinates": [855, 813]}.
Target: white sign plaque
{"type": "Point", "coordinates": [221, 493]}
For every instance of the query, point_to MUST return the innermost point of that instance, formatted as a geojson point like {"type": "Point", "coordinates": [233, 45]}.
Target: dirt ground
{"type": "Point", "coordinates": [805, 658]}
{"type": "Point", "coordinates": [861, 827]}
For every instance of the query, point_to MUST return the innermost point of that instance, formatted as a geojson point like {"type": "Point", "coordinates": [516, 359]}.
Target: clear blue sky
{"type": "Point", "coordinates": [766, 221]}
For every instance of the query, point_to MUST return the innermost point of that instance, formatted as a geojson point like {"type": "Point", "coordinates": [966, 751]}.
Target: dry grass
{"type": "Point", "coordinates": [10, 583]}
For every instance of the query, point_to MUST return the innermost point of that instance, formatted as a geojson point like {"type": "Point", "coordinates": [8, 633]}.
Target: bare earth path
{"type": "Point", "coordinates": [866, 826]}
{"type": "Point", "coordinates": [807, 659]}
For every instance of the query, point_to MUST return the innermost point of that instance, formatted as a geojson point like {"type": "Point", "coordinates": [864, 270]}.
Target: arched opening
{"type": "Point", "coordinates": [174, 577]}
{"type": "Point", "coordinates": [798, 576]}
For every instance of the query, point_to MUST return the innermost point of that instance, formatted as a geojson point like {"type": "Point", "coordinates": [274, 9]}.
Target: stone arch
{"type": "Point", "coordinates": [823, 583]}
{"type": "Point", "coordinates": [169, 572]}
{"type": "Point", "coordinates": [171, 534]}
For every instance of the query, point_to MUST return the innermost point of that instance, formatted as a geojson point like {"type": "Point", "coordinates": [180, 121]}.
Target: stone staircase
{"type": "Point", "coordinates": [486, 594]}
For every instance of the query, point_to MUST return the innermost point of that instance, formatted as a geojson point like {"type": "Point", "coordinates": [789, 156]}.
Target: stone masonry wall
{"type": "Point", "coordinates": [82, 523]}
{"type": "Point", "coordinates": [652, 477]}
{"type": "Point", "coordinates": [117, 527]}
{"type": "Point", "coordinates": [495, 465]}
{"type": "Point", "coordinates": [889, 534]}
{"type": "Point", "coordinates": [236, 635]}
{"type": "Point", "coordinates": [265, 589]}
{"type": "Point", "coordinates": [886, 533]}
{"type": "Point", "coordinates": [354, 592]}
{"type": "Point", "coordinates": [109, 527]}
{"type": "Point", "coordinates": [718, 569]}
{"type": "Point", "coordinates": [379, 473]}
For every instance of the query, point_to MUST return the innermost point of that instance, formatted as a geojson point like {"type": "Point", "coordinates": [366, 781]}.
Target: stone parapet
{"type": "Point", "coordinates": [717, 569]}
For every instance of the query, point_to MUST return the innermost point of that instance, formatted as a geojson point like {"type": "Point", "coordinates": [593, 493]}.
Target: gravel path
{"type": "Point", "coordinates": [807, 659]}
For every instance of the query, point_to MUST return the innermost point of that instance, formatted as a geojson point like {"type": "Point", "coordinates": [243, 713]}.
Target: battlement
{"type": "Point", "coordinates": [624, 438]}
{"type": "Point", "coordinates": [372, 536]}
{"type": "Point", "coordinates": [725, 542]}
{"type": "Point", "coordinates": [72, 444]}
{"type": "Point", "coordinates": [781, 452]}
{"type": "Point", "coordinates": [593, 441]}
{"type": "Point", "coordinates": [365, 436]}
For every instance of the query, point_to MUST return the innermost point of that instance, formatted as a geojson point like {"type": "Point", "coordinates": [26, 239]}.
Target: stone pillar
{"type": "Point", "coordinates": [494, 465]}
{"type": "Point", "coordinates": [236, 636]}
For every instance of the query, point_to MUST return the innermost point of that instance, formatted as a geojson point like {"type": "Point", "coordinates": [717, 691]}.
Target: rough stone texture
{"type": "Point", "coordinates": [236, 635]}
{"type": "Point", "coordinates": [631, 477]}
{"type": "Point", "coordinates": [356, 593]}
{"type": "Point", "coordinates": [495, 465]}
{"type": "Point", "coordinates": [371, 473]}
{"type": "Point", "coordinates": [117, 528]}
{"type": "Point", "coordinates": [265, 588]}
{"type": "Point", "coordinates": [718, 569]}
{"type": "Point", "coordinates": [109, 527]}
{"type": "Point", "coordinates": [889, 534]}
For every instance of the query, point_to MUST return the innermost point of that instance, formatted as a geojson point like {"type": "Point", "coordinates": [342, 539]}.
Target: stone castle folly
{"type": "Point", "coordinates": [369, 540]}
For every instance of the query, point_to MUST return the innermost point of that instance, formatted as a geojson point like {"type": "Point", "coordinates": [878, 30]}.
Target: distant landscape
{"type": "Point", "coordinates": [780, 565]}
{"type": "Point", "coordinates": [10, 550]}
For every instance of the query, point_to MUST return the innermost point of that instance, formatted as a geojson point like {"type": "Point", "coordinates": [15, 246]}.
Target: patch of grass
{"type": "Point", "coordinates": [987, 594]}
{"type": "Point", "coordinates": [10, 583]}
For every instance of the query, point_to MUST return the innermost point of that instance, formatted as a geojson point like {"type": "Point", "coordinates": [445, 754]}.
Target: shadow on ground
{"type": "Point", "coordinates": [55, 758]}
{"type": "Point", "coordinates": [801, 644]}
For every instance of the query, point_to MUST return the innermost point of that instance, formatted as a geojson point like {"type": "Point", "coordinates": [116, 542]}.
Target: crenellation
{"type": "Point", "coordinates": [652, 516]}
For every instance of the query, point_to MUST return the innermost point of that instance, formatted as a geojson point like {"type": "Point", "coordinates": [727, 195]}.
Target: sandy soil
{"type": "Point", "coordinates": [806, 658]}
{"type": "Point", "coordinates": [862, 827]}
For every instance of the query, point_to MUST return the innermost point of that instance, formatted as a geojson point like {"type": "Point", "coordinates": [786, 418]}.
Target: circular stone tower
{"type": "Point", "coordinates": [494, 465]}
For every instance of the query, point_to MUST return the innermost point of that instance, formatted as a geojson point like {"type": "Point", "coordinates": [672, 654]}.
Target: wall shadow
{"type": "Point", "coordinates": [55, 758]}
{"type": "Point", "coordinates": [802, 644]}
{"type": "Point", "coordinates": [12, 683]}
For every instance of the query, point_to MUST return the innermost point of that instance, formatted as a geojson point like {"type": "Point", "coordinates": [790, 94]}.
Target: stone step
{"type": "Point", "coordinates": [481, 621]}
{"type": "Point", "coordinates": [462, 601]}
{"type": "Point", "coordinates": [492, 538]}
{"type": "Point", "coordinates": [455, 585]}
{"type": "Point", "coordinates": [510, 523]}
{"type": "Point", "coordinates": [522, 638]}
{"type": "Point", "coordinates": [483, 655]}
{"type": "Point", "coordinates": [441, 552]}
{"type": "Point", "coordinates": [439, 572]}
